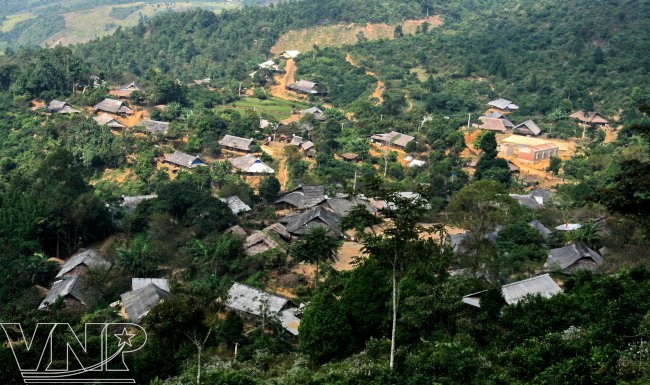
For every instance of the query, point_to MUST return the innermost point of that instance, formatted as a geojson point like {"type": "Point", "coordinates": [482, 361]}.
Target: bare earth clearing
{"type": "Point", "coordinates": [345, 34]}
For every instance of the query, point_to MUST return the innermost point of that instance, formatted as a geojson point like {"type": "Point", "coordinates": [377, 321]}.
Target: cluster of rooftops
{"type": "Point", "coordinates": [306, 207]}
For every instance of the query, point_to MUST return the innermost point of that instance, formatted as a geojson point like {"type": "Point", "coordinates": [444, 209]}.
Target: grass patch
{"type": "Point", "coordinates": [11, 21]}
{"type": "Point", "coordinates": [420, 72]}
{"type": "Point", "coordinates": [120, 13]}
{"type": "Point", "coordinates": [276, 108]}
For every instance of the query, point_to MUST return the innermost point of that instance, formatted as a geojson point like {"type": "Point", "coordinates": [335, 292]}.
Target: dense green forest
{"type": "Point", "coordinates": [397, 316]}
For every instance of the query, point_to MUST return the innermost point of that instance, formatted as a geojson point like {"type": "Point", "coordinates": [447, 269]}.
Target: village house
{"type": "Point", "coordinates": [145, 294]}
{"type": "Point", "coordinates": [503, 105]}
{"type": "Point", "coordinates": [249, 164]}
{"type": "Point", "coordinates": [316, 112]}
{"type": "Point", "coordinates": [538, 152]}
{"type": "Point", "coordinates": [412, 162]}
{"type": "Point", "coordinates": [392, 138]}
{"type": "Point", "coordinates": [571, 258]}
{"type": "Point", "coordinates": [541, 229]}
{"type": "Point", "coordinates": [261, 241]}
{"type": "Point", "coordinates": [300, 223]}
{"type": "Point", "coordinates": [106, 120]}
{"type": "Point", "coordinates": [235, 143]}
{"type": "Point", "coordinates": [184, 160]}
{"type": "Point", "coordinates": [514, 292]}
{"type": "Point", "coordinates": [60, 107]}
{"type": "Point", "coordinates": [81, 262]}
{"type": "Point", "coordinates": [235, 204]}
{"type": "Point", "coordinates": [528, 128]}
{"type": "Point", "coordinates": [236, 230]}
{"type": "Point", "coordinates": [269, 65]}
{"type": "Point", "coordinates": [113, 106]}
{"type": "Point", "coordinates": [251, 301]}
{"type": "Point", "coordinates": [590, 118]}
{"type": "Point", "coordinates": [71, 289]}
{"type": "Point", "coordinates": [526, 201]}
{"type": "Point", "coordinates": [306, 146]}
{"type": "Point", "coordinates": [290, 54]}
{"type": "Point", "coordinates": [125, 91]}
{"type": "Point", "coordinates": [306, 87]}
{"type": "Point", "coordinates": [131, 202]}
{"type": "Point", "coordinates": [492, 124]}
{"type": "Point", "coordinates": [498, 115]}
{"type": "Point", "coordinates": [301, 198]}
{"type": "Point", "coordinates": [200, 82]}
{"type": "Point", "coordinates": [155, 127]}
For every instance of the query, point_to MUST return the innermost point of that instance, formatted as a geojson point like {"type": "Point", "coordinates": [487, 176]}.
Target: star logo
{"type": "Point", "coordinates": [125, 338]}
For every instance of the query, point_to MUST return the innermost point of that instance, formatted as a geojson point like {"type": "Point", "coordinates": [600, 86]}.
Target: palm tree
{"type": "Point", "coordinates": [317, 246]}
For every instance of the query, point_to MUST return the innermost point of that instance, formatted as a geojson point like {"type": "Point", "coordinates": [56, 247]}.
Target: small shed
{"type": "Point", "coordinates": [236, 143]}
{"type": "Point", "coordinates": [235, 204]}
{"type": "Point", "coordinates": [184, 160]}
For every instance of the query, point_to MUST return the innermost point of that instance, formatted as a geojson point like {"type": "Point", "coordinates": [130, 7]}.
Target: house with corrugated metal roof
{"type": "Point", "coordinates": [71, 290]}
{"type": "Point", "coordinates": [571, 258]}
{"type": "Point", "coordinates": [83, 260]}
{"type": "Point", "coordinates": [503, 105]}
{"type": "Point", "coordinates": [146, 294]}
{"type": "Point", "coordinates": [528, 128]}
{"type": "Point", "coordinates": [235, 204]}
{"type": "Point", "coordinates": [515, 292]}
{"type": "Point", "coordinates": [255, 302]}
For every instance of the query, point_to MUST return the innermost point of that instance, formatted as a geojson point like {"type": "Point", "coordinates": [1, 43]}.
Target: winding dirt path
{"type": "Point", "coordinates": [378, 93]}
{"type": "Point", "coordinates": [279, 90]}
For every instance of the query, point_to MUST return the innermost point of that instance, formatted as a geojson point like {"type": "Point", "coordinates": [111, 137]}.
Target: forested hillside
{"type": "Point", "coordinates": [341, 215]}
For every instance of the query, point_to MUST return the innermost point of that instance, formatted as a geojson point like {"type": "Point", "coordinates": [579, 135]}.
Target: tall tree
{"type": "Point", "coordinates": [317, 246]}
{"type": "Point", "coordinates": [399, 247]}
